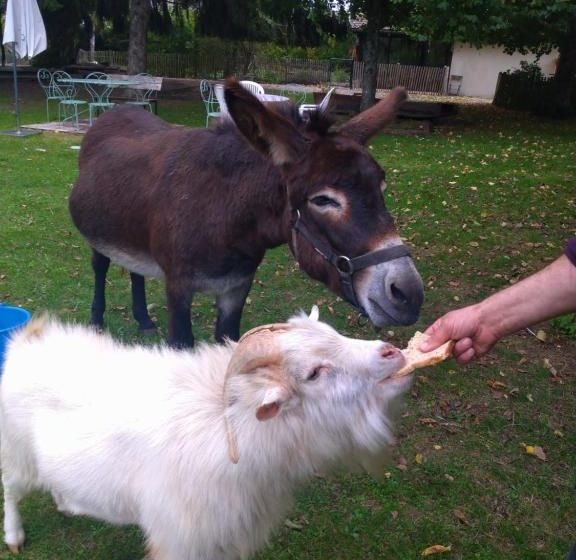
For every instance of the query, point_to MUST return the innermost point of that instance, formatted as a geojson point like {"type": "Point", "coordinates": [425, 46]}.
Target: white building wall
{"type": "Point", "coordinates": [479, 68]}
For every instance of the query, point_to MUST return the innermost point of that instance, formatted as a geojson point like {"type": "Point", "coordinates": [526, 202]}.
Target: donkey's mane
{"type": "Point", "coordinates": [314, 124]}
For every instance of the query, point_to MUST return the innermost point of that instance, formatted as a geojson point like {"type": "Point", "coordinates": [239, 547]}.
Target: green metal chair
{"type": "Point", "coordinates": [144, 94]}
{"type": "Point", "coordinates": [99, 93]}
{"type": "Point", "coordinates": [46, 81]}
{"type": "Point", "coordinates": [70, 105]}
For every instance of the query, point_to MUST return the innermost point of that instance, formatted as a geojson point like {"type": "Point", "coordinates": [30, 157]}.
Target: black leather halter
{"type": "Point", "coordinates": [346, 266]}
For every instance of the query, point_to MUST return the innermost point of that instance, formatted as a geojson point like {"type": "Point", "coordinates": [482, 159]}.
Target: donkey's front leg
{"type": "Point", "coordinates": [230, 305]}
{"type": "Point", "coordinates": [179, 299]}
{"type": "Point", "coordinates": [139, 307]}
{"type": "Point", "coordinates": [100, 265]}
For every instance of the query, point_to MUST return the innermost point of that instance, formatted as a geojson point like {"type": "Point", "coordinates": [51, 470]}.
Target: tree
{"type": "Point", "coordinates": [379, 14]}
{"type": "Point", "coordinates": [139, 17]}
{"type": "Point", "coordinates": [535, 26]}
{"type": "Point", "coordinates": [66, 29]}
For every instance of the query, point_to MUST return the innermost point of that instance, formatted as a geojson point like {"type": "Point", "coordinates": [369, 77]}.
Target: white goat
{"type": "Point", "coordinates": [203, 449]}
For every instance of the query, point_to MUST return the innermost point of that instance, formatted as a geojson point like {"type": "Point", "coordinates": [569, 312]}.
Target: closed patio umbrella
{"type": "Point", "coordinates": [24, 29]}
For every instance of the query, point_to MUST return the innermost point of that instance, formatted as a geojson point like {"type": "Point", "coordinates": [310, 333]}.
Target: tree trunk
{"type": "Point", "coordinates": [2, 45]}
{"type": "Point", "coordinates": [139, 16]}
{"type": "Point", "coordinates": [566, 72]}
{"type": "Point", "coordinates": [370, 59]}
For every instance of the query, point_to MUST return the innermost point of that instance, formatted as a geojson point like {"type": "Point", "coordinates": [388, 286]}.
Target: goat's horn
{"type": "Point", "coordinates": [256, 348]}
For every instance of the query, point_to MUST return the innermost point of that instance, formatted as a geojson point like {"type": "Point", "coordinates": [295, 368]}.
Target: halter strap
{"type": "Point", "coordinates": [347, 266]}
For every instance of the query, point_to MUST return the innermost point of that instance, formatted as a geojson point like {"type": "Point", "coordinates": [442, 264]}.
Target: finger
{"type": "Point", "coordinates": [467, 356]}
{"type": "Point", "coordinates": [462, 346]}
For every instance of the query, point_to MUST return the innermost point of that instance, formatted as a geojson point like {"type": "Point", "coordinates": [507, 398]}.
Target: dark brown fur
{"type": "Point", "coordinates": [205, 205]}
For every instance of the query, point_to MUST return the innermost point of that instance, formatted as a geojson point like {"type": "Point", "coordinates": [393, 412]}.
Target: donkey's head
{"type": "Point", "coordinates": [342, 233]}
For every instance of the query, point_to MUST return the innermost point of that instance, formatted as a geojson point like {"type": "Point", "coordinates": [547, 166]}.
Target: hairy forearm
{"type": "Point", "coordinates": [545, 294]}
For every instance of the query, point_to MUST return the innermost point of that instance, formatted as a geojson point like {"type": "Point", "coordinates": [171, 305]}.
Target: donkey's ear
{"type": "Point", "coordinates": [270, 133]}
{"type": "Point", "coordinates": [369, 122]}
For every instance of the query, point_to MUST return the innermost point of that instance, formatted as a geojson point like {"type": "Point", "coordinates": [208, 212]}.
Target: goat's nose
{"type": "Point", "coordinates": [388, 351]}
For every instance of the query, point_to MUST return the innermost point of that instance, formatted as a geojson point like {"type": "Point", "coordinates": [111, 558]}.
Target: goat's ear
{"type": "Point", "coordinates": [314, 313]}
{"type": "Point", "coordinates": [272, 403]}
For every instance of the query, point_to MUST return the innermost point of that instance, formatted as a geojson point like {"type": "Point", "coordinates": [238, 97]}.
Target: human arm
{"type": "Point", "coordinates": [476, 328]}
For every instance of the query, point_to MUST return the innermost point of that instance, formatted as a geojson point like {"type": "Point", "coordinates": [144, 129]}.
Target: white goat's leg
{"type": "Point", "coordinates": [13, 531]}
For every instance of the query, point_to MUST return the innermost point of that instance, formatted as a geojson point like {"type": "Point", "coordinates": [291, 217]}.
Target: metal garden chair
{"type": "Point", "coordinates": [70, 105]}
{"type": "Point", "coordinates": [100, 94]}
{"type": "Point", "coordinates": [211, 104]}
{"type": "Point", "coordinates": [145, 94]}
{"type": "Point", "coordinates": [46, 81]}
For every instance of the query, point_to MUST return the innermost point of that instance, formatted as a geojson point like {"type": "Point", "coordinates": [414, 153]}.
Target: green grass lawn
{"type": "Point", "coordinates": [487, 198]}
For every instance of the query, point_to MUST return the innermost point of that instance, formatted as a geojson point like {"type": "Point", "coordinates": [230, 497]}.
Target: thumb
{"type": "Point", "coordinates": [436, 335]}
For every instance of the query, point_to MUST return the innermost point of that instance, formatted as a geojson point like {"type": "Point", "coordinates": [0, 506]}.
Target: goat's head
{"type": "Point", "coordinates": [303, 369]}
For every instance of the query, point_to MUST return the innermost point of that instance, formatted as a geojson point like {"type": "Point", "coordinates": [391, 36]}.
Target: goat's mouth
{"type": "Point", "coordinates": [395, 362]}
{"type": "Point", "coordinates": [397, 382]}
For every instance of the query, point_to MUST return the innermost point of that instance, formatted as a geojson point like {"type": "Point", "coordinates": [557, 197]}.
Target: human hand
{"type": "Point", "coordinates": [465, 326]}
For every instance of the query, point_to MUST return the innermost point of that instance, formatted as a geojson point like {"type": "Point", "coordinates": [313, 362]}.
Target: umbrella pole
{"type": "Point", "coordinates": [18, 131]}
{"type": "Point", "coordinates": [15, 74]}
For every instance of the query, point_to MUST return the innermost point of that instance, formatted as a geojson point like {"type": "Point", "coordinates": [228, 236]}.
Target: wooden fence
{"type": "Point", "coordinates": [416, 79]}
{"type": "Point", "coordinates": [340, 72]}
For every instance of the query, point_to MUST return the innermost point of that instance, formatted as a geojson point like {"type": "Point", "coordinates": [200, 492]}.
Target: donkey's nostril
{"type": "Point", "coordinates": [398, 294]}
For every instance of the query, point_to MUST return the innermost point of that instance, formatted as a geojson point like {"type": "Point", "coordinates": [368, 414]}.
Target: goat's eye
{"type": "Point", "coordinates": [314, 374]}
{"type": "Point", "coordinates": [324, 201]}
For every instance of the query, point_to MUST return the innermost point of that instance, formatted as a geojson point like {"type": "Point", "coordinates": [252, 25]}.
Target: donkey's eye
{"type": "Point", "coordinates": [314, 374]}
{"type": "Point", "coordinates": [323, 201]}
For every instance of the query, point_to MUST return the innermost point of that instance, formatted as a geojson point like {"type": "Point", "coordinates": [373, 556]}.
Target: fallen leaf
{"type": "Point", "coordinates": [435, 549]}
{"type": "Point", "coordinates": [541, 335]}
{"type": "Point", "coordinates": [496, 385]}
{"type": "Point", "coordinates": [461, 516]}
{"type": "Point", "coordinates": [535, 450]}
{"type": "Point", "coordinates": [402, 464]}
{"type": "Point", "coordinates": [419, 458]}
{"type": "Point", "coordinates": [550, 367]}
{"type": "Point", "coordinates": [293, 525]}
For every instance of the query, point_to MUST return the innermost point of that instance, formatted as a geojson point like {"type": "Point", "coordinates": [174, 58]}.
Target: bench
{"type": "Point", "coordinates": [146, 89]}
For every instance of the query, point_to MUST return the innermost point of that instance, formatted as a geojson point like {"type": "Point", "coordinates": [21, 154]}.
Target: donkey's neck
{"type": "Point", "coordinates": [274, 222]}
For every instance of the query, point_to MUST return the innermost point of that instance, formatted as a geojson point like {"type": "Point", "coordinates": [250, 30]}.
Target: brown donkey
{"type": "Point", "coordinates": [200, 207]}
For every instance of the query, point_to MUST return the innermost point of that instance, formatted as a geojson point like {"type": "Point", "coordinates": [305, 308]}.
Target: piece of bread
{"type": "Point", "coordinates": [416, 359]}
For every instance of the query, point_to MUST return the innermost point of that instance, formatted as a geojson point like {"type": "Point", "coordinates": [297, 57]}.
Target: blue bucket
{"type": "Point", "coordinates": [11, 319]}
